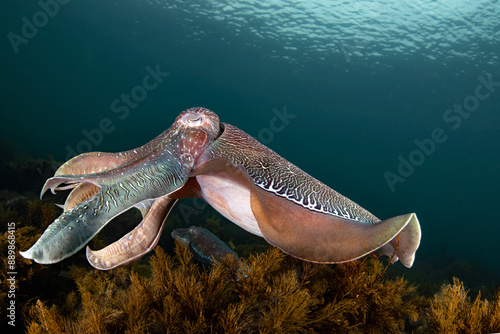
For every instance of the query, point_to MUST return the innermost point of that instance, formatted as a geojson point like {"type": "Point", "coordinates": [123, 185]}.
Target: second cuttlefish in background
{"type": "Point", "coordinates": [205, 246]}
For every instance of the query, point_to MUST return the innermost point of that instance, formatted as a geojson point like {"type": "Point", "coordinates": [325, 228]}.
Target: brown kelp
{"type": "Point", "coordinates": [452, 311]}
{"type": "Point", "coordinates": [274, 294]}
{"type": "Point", "coordinates": [268, 293]}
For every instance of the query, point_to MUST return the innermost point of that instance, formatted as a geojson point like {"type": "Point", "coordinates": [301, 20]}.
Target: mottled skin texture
{"type": "Point", "coordinates": [244, 180]}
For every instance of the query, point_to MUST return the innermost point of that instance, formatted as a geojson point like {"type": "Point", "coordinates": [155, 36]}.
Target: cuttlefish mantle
{"type": "Point", "coordinates": [248, 183]}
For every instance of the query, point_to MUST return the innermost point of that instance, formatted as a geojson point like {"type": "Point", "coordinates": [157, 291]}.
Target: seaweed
{"type": "Point", "coordinates": [26, 219]}
{"type": "Point", "coordinates": [452, 311]}
{"type": "Point", "coordinates": [268, 292]}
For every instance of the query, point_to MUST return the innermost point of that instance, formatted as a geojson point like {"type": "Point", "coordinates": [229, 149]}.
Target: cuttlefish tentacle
{"type": "Point", "coordinates": [160, 173]}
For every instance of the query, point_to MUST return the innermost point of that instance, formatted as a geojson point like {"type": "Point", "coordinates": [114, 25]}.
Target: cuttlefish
{"type": "Point", "coordinates": [205, 246]}
{"type": "Point", "coordinates": [248, 183]}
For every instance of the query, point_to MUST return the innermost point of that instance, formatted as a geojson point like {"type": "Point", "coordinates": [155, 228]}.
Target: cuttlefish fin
{"type": "Point", "coordinates": [405, 244]}
{"type": "Point", "coordinates": [298, 231]}
{"type": "Point", "coordinates": [325, 238]}
{"type": "Point", "coordinates": [135, 244]}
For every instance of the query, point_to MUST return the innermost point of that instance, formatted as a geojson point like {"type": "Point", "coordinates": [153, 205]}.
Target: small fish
{"type": "Point", "coordinates": [206, 247]}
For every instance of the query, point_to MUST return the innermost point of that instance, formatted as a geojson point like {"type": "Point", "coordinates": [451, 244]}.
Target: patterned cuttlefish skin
{"type": "Point", "coordinates": [244, 180]}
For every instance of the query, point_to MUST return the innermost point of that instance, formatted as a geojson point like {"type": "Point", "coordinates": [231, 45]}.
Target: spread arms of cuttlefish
{"type": "Point", "coordinates": [248, 183]}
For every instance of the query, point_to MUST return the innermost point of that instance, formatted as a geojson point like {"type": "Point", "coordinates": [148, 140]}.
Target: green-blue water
{"type": "Point", "coordinates": [367, 86]}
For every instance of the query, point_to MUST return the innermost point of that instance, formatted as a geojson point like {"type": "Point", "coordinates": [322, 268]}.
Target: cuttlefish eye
{"type": "Point", "coordinates": [193, 119]}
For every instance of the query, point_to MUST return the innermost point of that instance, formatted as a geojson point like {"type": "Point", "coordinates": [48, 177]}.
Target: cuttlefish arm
{"type": "Point", "coordinates": [143, 178]}
{"type": "Point", "coordinates": [135, 244]}
{"type": "Point", "coordinates": [96, 162]}
{"type": "Point", "coordinates": [265, 194]}
{"type": "Point", "coordinates": [76, 226]}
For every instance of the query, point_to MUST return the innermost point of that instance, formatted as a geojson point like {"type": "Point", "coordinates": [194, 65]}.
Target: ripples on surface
{"type": "Point", "coordinates": [300, 30]}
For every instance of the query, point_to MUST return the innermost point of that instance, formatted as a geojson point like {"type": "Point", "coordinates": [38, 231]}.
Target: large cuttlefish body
{"type": "Point", "coordinates": [245, 181]}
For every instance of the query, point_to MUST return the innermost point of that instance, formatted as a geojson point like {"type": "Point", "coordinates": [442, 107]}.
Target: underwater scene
{"type": "Point", "coordinates": [250, 167]}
